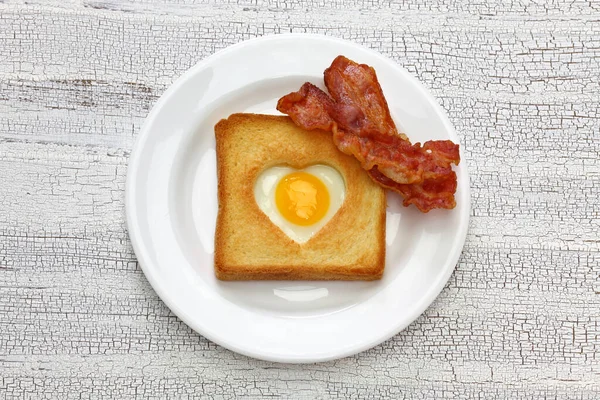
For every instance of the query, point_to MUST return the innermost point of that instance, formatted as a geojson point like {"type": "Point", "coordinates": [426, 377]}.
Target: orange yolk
{"type": "Point", "coordinates": [302, 198]}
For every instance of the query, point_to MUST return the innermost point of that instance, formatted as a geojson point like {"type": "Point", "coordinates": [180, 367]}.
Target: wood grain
{"type": "Point", "coordinates": [518, 319]}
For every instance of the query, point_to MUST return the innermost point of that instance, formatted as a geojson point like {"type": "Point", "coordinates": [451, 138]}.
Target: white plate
{"type": "Point", "coordinates": [172, 206]}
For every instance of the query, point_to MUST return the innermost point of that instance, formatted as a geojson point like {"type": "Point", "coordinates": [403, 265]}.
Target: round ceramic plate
{"type": "Point", "coordinates": [172, 208]}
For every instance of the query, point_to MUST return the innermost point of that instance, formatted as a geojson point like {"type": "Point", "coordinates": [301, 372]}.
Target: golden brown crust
{"type": "Point", "coordinates": [248, 246]}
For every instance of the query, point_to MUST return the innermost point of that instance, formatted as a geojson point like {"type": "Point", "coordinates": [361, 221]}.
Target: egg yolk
{"type": "Point", "coordinates": [302, 198]}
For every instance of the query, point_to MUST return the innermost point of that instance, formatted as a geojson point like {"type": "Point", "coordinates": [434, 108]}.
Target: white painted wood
{"type": "Point", "coordinates": [520, 316]}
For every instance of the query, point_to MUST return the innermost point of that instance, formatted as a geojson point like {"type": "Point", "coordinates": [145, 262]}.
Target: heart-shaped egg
{"type": "Point", "coordinates": [300, 202]}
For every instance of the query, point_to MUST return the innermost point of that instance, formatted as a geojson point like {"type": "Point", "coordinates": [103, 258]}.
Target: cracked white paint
{"type": "Point", "coordinates": [520, 316]}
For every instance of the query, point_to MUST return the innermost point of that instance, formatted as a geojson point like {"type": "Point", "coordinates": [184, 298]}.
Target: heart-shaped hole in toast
{"type": "Point", "coordinates": [300, 201]}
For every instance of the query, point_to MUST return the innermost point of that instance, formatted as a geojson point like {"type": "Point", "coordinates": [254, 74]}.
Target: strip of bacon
{"type": "Point", "coordinates": [361, 106]}
{"type": "Point", "coordinates": [376, 140]}
{"type": "Point", "coordinates": [427, 195]}
{"type": "Point", "coordinates": [358, 116]}
{"type": "Point", "coordinates": [310, 108]}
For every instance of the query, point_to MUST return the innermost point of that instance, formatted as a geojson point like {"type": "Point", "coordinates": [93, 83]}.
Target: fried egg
{"type": "Point", "coordinates": [300, 202]}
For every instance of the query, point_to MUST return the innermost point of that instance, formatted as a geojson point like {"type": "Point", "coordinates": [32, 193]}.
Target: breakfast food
{"type": "Point", "coordinates": [357, 114]}
{"type": "Point", "coordinates": [300, 202]}
{"type": "Point", "coordinates": [292, 206]}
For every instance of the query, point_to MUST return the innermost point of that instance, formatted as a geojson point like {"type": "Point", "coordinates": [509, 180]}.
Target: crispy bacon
{"type": "Point", "coordinates": [427, 195]}
{"type": "Point", "coordinates": [358, 116]}
{"type": "Point", "coordinates": [361, 106]}
{"type": "Point", "coordinates": [309, 107]}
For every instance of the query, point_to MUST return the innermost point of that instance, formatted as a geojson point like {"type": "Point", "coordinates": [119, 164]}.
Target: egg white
{"type": "Point", "coordinates": [264, 193]}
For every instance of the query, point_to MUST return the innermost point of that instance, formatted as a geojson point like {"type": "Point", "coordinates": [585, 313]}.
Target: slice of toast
{"type": "Point", "coordinates": [248, 246]}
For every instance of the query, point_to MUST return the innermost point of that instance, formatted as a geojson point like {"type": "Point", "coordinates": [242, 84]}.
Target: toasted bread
{"type": "Point", "coordinates": [248, 246]}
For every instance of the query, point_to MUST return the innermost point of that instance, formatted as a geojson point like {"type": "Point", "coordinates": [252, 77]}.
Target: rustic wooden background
{"type": "Point", "coordinates": [520, 317]}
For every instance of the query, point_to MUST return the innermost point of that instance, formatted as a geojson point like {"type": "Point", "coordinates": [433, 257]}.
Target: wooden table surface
{"type": "Point", "coordinates": [520, 316]}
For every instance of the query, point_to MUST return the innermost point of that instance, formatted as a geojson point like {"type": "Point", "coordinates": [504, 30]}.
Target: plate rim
{"type": "Point", "coordinates": [141, 252]}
